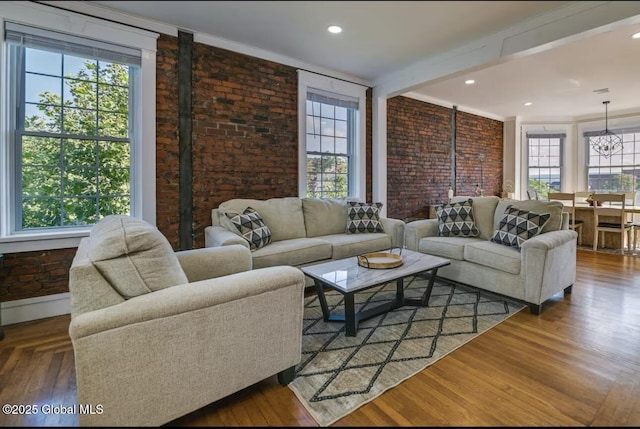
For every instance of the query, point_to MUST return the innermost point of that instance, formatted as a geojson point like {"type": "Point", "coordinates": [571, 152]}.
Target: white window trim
{"type": "Point", "coordinates": [312, 80]}
{"type": "Point", "coordinates": [144, 173]}
{"type": "Point", "coordinates": [566, 169]}
{"type": "Point", "coordinates": [630, 121]}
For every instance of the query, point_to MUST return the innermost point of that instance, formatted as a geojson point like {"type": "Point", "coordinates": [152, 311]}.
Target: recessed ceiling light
{"type": "Point", "coordinates": [335, 29]}
{"type": "Point", "coordinates": [528, 103]}
{"type": "Point", "coordinates": [636, 36]}
{"type": "Point", "coordinates": [469, 81]}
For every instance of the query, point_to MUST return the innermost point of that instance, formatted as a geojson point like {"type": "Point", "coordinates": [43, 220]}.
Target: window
{"type": "Point", "coordinates": [331, 125]}
{"type": "Point", "coordinates": [77, 113]}
{"type": "Point", "coordinates": [332, 137]}
{"type": "Point", "coordinates": [73, 134]}
{"type": "Point", "coordinates": [544, 163]}
{"type": "Point", "coordinates": [619, 172]}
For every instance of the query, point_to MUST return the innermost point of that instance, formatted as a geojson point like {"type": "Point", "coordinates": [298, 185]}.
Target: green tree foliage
{"type": "Point", "coordinates": [327, 176]}
{"type": "Point", "coordinates": [542, 188]}
{"type": "Point", "coordinates": [73, 170]}
{"type": "Point", "coordinates": [621, 182]}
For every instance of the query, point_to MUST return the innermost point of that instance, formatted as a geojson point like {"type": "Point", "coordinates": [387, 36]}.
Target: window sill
{"type": "Point", "coordinates": [32, 242]}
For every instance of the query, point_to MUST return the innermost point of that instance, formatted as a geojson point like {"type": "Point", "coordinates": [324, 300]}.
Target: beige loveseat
{"type": "Point", "coordinates": [544, 265]}
{"type": "Point", "coordinates": [304, 231]}
{"type": "Point", "coordinates": [158, 334]}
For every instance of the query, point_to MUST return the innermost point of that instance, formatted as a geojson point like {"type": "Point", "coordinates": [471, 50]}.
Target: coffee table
{"type": "Point", "coordinates": [347, 277]}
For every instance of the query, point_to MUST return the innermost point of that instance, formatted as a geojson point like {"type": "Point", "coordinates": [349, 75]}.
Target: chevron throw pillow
{"type": "Point", "coordinates": [363, 217]}
{"type": "Point", "coordinates": [517, 226]}
{"type": "Point", "coordinates": [251, 227]}
{"type": "Point", "coordinates": [456, 220]}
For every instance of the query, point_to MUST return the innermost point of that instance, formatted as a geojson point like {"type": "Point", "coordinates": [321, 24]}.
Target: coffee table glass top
{"type": "Point", "coordinates": [347, 276]}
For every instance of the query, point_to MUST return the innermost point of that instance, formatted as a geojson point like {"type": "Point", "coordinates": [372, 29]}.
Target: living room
{"type": "Point", "coordinates": [244, 144]}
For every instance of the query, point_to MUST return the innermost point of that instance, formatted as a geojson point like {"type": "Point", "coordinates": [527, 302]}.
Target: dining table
{"type": "Point", "coordinates": [584, 212]}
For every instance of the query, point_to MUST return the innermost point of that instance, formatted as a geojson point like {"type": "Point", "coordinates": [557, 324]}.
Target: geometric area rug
{"type": "Point", "coordinates": [338, 374]}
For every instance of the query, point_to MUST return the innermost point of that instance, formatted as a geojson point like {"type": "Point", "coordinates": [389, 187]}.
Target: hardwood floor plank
{"type": "Point", "coordinates": [621, 401]}
{"type": "Point", "coordinates": [576, 364]}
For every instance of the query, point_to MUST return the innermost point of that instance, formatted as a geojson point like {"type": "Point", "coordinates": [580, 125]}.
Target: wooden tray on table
{"type": "Point", "coordinates": [380, 260]}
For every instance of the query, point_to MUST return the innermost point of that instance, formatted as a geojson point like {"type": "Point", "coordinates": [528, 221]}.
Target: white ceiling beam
{"type": "Point", "coordinates": [546, 31]}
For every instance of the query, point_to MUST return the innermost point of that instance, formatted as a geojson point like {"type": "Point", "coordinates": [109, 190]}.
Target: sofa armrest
{"type": "Point", "coordinates": [418, 229]}
{"type": "Point", "coordinates": [549, 261]}
{"type": "Point", "coordinates": [212, 262]}
{"type": "Point", "coordinates": [184, 298]}
{"type": "Point", "coordinates": [216, 236]}
{"type": "Point", "coordinates": [549, 240]}
{"type": "Point", "coordinates": [395, 228]}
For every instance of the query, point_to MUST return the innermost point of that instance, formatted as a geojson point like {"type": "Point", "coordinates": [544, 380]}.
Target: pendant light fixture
{"type": "Point", "coordinates": [606, 143]}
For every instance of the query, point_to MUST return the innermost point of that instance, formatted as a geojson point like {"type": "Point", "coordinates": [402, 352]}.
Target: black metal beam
{"type": "Point", "coordinates": [185, 54]}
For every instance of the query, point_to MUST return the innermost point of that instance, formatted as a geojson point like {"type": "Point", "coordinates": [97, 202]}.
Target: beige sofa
{"type": "Point", "coordinates": [544, 265]}
{"type": "Point", "coordinates": [158, 334]}
{"type": "Point", "coordinates": [304, 231]}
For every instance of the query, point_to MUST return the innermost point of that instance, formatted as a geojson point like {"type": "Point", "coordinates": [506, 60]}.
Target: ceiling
{"type": "Point", "coordinates": [383, 37]}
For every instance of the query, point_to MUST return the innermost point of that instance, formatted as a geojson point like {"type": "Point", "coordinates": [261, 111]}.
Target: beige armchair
{"type": "Point", "coordinates": [157, 334]}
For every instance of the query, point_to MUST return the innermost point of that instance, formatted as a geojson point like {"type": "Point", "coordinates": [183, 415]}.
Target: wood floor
{"type": "Point", "coordinates": [577, 364]}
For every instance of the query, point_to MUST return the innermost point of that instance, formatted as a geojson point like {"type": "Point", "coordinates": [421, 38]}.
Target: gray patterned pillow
{"type": "Point", "coordinates": [363, 217]}
{"type": "Point", "coordinates": [456, 220]}
{"type": "Point", "coordinates": [251, 227]}
{"type": "Point", "coordinates": [517, 226]}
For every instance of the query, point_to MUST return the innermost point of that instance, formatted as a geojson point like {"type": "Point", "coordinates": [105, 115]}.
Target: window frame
{"type": "Point", "coordinates": [621, 131]}
{"type": "Point", "coordinates": [357, 166]}
{"type": "Point", "coordinates": [562, 143]}
{"type": "Point", "coordinates": [142, 174]}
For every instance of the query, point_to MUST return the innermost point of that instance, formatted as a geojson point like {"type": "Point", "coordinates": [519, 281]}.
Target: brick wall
{"type": "Point", "coordinates": [245, 131]}
{"type": "Point", "coordinates": [29, 274]}
{"type": "Point", "coordinates": [167, 143]}
{"type": "Point", "coordinates": [419, 155]}
{"type": "Point", "coordinates": [475, 135]}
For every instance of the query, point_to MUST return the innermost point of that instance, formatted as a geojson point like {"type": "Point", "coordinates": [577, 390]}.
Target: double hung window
{"type": "Point", "coordinates": [332, 137]}
{"type": "Point", "coordinates": [331, 126]}
{"type": "Point", "coordinates": [545, 163]}
{"type": "Point", "coordinates": [71, 128]}
{"type": "Point", "coordinates": [616, 172]}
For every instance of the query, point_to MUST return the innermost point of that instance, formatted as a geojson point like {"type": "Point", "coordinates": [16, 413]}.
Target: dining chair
{"type": "Point", "coordinates": [630, 200]}
{"type": "Point", "coordinates": [611, 206]}
{"type": "Point", "coordinates": [532, 194]}
{"type": "Point", "coordinates": [569, 201]}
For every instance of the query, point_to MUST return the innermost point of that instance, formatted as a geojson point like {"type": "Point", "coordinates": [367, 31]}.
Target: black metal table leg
{"type": "Point", "coordinates": [423, 301]}
{"type": "Point", "coordinates": [322, 299]}
{"type": "Point", "coordinates": [350, 319]}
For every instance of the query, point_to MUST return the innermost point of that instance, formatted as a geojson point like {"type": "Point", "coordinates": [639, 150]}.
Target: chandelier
{"type": "Point", "coordinates": [606, 143]}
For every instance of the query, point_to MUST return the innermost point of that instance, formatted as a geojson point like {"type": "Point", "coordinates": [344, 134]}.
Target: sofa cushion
{"type": "Point", "coordinates": [483, 213]}
{"type": "Point", "coordinates": [494, 255]}
{"type": "Point", "coordinates": [347, 245]}
{"type": "Point", "coordinates": [133, 256]}
{"type": "Point", "coordinates": [517, 226]}
{"type": "Point", "coordinates": [294, 252]}
{"type": "Point", "coordinates": [324, 216]}
{"type": "Point", "coordinates": [446, 247]}
{"type": "Point", "coordinates": [283, 216]}
{"type": "Point", "coordinates": [363, 217]}
{"type": "Point", "coordinates": [554, 208]}
{"type": "Point", "coordinates": [251, 227]}
{"type": "Point", "coordinates": [456, 220]}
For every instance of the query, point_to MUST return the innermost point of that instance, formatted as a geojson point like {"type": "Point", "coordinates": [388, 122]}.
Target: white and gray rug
{"type": "Point", "coordinates": [338, 374]}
